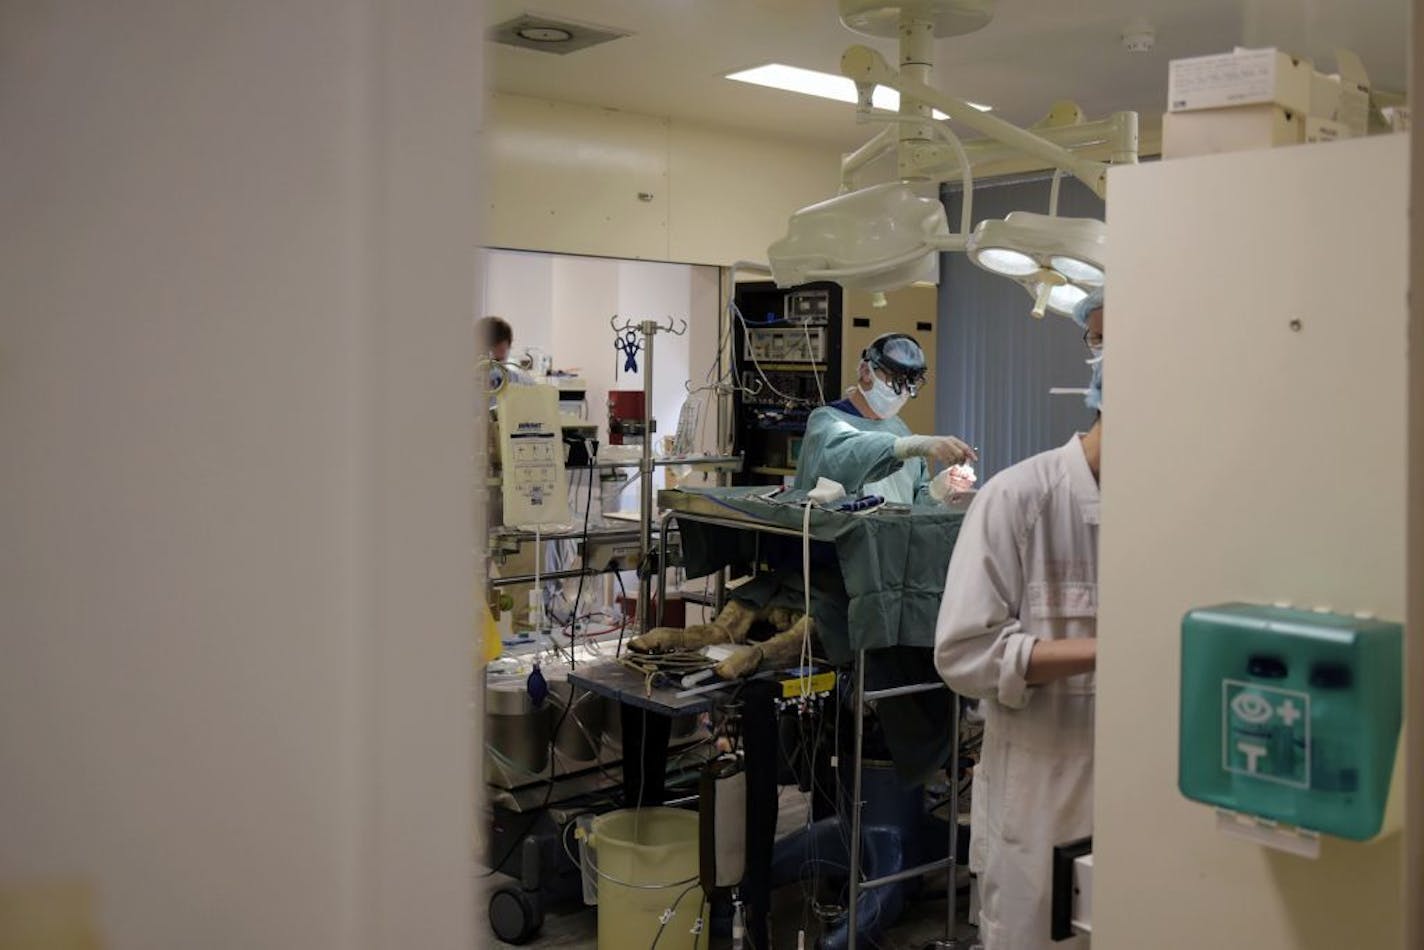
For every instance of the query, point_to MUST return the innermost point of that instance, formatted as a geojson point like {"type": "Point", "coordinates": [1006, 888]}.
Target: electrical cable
{"type": "Point", "coordinates": [811, 360]}
{"type": "Point", "coordinates": [548, 794]}
{"type": "Point", "coordinates": [618, 576]}
{"type": "Point", "coordinates": [668, 915]}
{"type": "Point", "coordinates": [592, 446]}
{"type": "Point", "coordinates": [791, 400]}
{"type": "Point", "coordinates": [805, 655]}
{"type": "Point", "coordinates": [642, 774]}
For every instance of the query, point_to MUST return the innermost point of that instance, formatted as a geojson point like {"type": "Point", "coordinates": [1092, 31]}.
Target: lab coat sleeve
{"type": "Point", "coordinates": [834, 448]}
{"type": "Point", "coordinates": [981, 649]}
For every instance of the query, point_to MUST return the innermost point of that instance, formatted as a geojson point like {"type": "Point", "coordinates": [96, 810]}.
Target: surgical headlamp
{"type": "Point", "coordinates": [904, 384]}
{"type": "Point", "coordinates": [900, 359]}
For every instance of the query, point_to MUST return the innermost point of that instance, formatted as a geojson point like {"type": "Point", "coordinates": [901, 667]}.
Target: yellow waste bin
{"type": "Point", "coordinates": [647, 867]}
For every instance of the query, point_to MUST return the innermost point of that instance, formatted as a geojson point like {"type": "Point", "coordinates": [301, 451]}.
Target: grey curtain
{"type": "Point", "coordinates": [995, 363]}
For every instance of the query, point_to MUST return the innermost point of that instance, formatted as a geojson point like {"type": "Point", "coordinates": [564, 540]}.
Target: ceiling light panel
{"type": "Point", "coordinates": [811, 82]}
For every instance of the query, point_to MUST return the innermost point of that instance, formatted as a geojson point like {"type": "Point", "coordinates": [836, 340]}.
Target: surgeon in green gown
{"type": "Point", "coordinates": [861, 442]}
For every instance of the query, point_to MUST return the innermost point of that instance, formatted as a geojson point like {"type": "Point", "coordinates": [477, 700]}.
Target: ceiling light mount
{"type": "Point", "coordinates": [544, 34]}
{"type": "Point", "coordinates": [884, 17]}
{"type": "Point", "coordinates": [548, 35]}
{"type": "Point", "coordinates": [882, 237]}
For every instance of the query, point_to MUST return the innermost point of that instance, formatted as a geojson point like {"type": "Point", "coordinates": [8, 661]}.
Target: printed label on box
{"type": "Point", "coordinates": [1265, 733]}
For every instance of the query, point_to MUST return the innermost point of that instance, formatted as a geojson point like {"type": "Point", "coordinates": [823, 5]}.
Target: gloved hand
{"type": "Point", "coordinates": [952, 483]}
{"type": "Point", "coordinates": [945, 449]}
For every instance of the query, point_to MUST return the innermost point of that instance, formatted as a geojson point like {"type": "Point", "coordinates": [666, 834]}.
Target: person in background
{"type": "Point", "coordinates": [497, 336]}
{"type": "Point", "coordinates": [1017, 629]}
{"type": "Point", "coordinates": [860, 442]}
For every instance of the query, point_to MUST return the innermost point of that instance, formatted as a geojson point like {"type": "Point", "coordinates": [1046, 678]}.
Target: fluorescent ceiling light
{"type": "Point", "coordinates": [810, 82]}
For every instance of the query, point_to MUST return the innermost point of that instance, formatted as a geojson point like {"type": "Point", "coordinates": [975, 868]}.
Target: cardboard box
{"type": "Point", "coordinates": [1354, 111]}
{"type": "Point", "coordinates": [1240, 78]}
{"type": "Point", "coordinates": [1208, 131]}
{"type": "Point", "coordinates": [1324, 96]}
{"type": "Point", "coordinates": [1324, 130]}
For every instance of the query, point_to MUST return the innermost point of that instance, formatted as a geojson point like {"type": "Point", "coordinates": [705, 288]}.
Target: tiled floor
{"type": "Point", "coordinates": [920, 924]}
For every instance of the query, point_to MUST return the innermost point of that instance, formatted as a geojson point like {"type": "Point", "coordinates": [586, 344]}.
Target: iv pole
{"type": "Point", "coordinates": [647, 329]}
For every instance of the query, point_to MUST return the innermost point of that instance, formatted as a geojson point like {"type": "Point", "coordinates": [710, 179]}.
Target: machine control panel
{"type": "Point", "coordinates": [801, 344]}
{"type": "Point", "coordinates": [799, 387]}
{"type": "Point", "coordinates": [809, 307]}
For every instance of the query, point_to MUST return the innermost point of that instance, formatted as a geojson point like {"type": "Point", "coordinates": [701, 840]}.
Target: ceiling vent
{"type": "Point", "coordinates": [548, 35]}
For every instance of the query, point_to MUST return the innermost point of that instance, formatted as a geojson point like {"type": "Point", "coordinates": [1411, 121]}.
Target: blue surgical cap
{"type": "Point", "coordinates": [1086, 306]}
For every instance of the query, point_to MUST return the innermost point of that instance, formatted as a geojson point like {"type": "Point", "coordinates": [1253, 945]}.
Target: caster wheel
{"type": "Point", "coordinates": [515, 915]}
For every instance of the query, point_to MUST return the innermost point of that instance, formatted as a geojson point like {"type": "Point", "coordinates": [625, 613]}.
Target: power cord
{"type": "Point", "coordinates": [548, 792]}
{"type": "Point", "coordinates": [671, 912]}
{"type": "Point", "coordinates": [622, 590]}
{"type": "Point", "coordinates": [591, 445]}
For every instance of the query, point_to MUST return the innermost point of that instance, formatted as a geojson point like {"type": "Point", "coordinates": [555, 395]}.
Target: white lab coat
{"type": "Point", "coordinates": [1025, 568]}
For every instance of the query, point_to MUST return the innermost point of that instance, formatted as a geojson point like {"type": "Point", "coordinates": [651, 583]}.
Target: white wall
{"type": "Point", "coordinates": [703, 338]}
{"type": "Point", "coordinates": [567, 178]}
{"type": "Point", "coordinates": [235, 592]}
{"type": "Point", "coordinates": [1414, 651]}
{"type": "Point", "coordinates": [1243, 460]}
{"type": "Point", "coordinates": [520, 288]}
{"type": "Point", "coordinates": [585, 296]}
{"type": "Point", "coordinates": [648, 291]}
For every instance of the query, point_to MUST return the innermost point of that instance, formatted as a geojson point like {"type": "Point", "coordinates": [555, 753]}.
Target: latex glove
{"type": "Point", "coordinates": [953, 482]}
{"type": "Point", "coordinates": [944, 449]}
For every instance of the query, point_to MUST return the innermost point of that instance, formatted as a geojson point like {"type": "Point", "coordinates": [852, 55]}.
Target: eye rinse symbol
{"type": "Point", "coordinates": [1252, 708]}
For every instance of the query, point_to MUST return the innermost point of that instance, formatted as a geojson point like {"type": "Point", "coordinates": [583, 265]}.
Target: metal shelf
{"type": "Point", "coordinates": [726, 463]}
{"type": "Point", "coordinates": [594, 533]}
{"type": "Point", "coordinates": [791, 367]}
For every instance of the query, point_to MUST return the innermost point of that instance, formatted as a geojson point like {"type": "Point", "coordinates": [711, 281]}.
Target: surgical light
{"type": "Point", "coordinates": [1065, 297]}
{"type": "Point", "coordinates": [1057, 260]}
{"type": "Point", "coordinates": [1001, 260]}
{"type": "Point", "coordinates": [1076, 270]}
{"type": "Point", "coordinates": [883, 237]}
{"type": "Point", "coordinates": [874, 239]}
{"type": "Point", "coordinates": [811, 82]}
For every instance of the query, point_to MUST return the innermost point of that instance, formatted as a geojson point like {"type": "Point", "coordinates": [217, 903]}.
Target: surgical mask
{"type": "Point", "coordinates": [1094, 398]}
{"type": "Point", "coordinates": [882, 399]}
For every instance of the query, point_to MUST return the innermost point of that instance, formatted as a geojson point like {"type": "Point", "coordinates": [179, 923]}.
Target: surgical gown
{"type": "Point", "coordinates": [860, 454]}
{"type": "Point", "coordinates": [1025, 568]}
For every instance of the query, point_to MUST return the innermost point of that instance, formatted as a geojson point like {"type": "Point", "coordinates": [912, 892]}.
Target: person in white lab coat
{"type": "Point", "coordinates": [1017, 629]}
